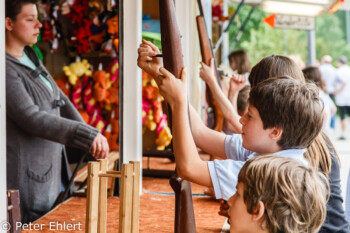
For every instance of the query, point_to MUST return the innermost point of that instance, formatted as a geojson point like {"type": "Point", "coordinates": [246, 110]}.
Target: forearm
{"type": "Point", "coordinates": [205, 138]}
{"type": "Point", "coordinates": [188, 163]}
{"type": "Point", "coordinates": [230, 114]}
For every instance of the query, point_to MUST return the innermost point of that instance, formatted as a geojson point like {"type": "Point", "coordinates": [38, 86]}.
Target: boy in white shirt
{"type": "Point", "coordinates": [284, 117]}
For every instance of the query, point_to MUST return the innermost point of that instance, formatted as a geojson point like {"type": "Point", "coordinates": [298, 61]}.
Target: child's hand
{"type": "Point", "coordinates": [207, 73]}
{"type": "Point", "coordinates": [173, 90]}
{"type": "Point", "coordinates": [146, 59]}
{"type": "Point", "coordinates": [224, 209]}
{"type": "Point", "coordinates": [237, 83]}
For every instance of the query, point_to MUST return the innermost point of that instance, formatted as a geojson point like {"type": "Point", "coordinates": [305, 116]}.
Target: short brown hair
{"type": "Point", "coordinates": [294, 196]}
{"type": "Point", "coordinates": [290, 105]}
{"type": "Point", "coordinates": [313, 74]}
{"type": "Point", "coordinates": [241, 60]}
{"type": "Point", "coordinates": [242, 99]}
{"type": "Point", "coordinates": [276, 65]}
{"type": "Point", "coordinates": [273, 66]}
{"type": "Point", "coordinates": [14, 7]}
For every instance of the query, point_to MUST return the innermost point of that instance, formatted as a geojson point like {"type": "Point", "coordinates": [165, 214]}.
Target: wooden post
{"type": "Point", "coordinates": [96, 203]}
{"type": "Point", "coordinates": [92, 197]}
{"type": "Point", "coordinates": [135, 197]}
{"type": "Point", "coordinates": [14, 212]}
{"type": "Point", "coordinates": [102, 210]}
{"type": "Point", "coordinates": [125, 199]}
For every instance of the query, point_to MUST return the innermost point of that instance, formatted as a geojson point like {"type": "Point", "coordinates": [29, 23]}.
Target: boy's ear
{"type": "Point", "coordinates": [259, 216]}
{"type": "Point", "coordinates": [276, 133]}
{"type": "Point", "coordinates": [8, 24]}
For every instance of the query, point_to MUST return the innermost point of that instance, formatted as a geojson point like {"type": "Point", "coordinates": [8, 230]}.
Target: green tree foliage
{"type": "Point", "coordinates": [330, 36]}
{"type": "Point", "coordinates": [260, 40]}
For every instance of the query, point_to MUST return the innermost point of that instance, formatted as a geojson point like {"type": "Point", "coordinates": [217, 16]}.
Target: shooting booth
{"type": "Point", "coordinates": [92, 54]}
{"type": "Point", "coordinates": [101, 43]}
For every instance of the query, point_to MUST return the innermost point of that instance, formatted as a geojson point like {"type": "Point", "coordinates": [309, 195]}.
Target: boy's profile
{"type": "Point", "coordinates": [274, 124]}
{"type": "Point", "coordinates": [276, 194]}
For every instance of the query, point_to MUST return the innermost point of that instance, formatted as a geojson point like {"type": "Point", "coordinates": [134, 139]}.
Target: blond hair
{"type": "Point", "coordinates": [294, 196]}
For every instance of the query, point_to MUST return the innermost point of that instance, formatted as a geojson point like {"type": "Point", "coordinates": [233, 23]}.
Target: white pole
{"type": "Point", "coordinates": [131, 149]}
{"type": "Point", "coordinates": [311, 47]}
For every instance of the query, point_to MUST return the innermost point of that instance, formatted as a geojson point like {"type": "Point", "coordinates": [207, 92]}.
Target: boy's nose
{"type": "Point", "coordinates": [242, 120]}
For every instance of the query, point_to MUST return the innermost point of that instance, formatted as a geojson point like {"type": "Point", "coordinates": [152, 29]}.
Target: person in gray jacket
{"type": "Point", "coordinates": [41, 121]}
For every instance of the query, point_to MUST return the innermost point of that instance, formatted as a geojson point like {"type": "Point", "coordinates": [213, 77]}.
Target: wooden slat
{"type": "Point", "coordinates": [110, 175]}
{"type": "Point", "coordinates": [113, 172]}
{"type": "Point", "coordinates": [102, 208]}
{"type": "Point", "coordinates": [125, 199]}
{"type": "Point", "coordinates": [92, 197]}
{"type": "Point", "coordinates": [135, 197]}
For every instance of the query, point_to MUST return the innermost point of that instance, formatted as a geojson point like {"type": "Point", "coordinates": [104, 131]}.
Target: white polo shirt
{"type": "Point", "coordinates": [224, 173]}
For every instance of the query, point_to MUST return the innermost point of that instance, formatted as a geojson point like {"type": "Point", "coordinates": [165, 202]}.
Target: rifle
{"type": "Point", "coordinates": [172, 61]}
{"type": "Point", "coordinates": [207, 55]}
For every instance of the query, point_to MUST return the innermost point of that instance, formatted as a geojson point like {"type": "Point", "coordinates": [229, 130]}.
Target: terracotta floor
{"type": "Point", "coordinates": [156, 210]}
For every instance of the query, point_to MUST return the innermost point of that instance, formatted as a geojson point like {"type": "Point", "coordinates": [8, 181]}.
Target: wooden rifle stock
{"type": "Point", "coordinates": [207, 54]}
{"type": "Point", "coordinates": [172, 60]}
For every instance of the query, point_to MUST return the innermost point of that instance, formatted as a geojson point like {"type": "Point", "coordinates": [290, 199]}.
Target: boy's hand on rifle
{"type": "Point", "coordinates": [207, 73]}
{"type": "Point", "coordinates": [147, 60]}
{"type": "Point", "coordinates": [173, 90]}
{"type": "Point", "coordinates": [237, 83]}
{"type": "Point", "coordinates": [224, 209]}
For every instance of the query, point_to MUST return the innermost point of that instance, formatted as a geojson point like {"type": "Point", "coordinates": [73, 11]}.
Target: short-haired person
{"type": "Point", "coordinates": [313, 74]}
{"type": "Point", "coordinates": [40, 121]}
{"type": "Point", "coordinates": [276, 194]}
{"type": "Point", "coordinates": [328, 73]}
{"type": "Point", "coordinates": [342, 93]}
{"type": "Point", "coordinates": [320, 154]}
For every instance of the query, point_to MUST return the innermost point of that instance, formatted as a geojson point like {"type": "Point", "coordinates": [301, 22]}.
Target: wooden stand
{"type": "Point", "coordinates": [96, 202]}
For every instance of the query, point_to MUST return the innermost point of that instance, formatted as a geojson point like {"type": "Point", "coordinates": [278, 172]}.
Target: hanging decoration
{"type": "Point", "coordinates": [153, 118]}
{"type": "Point", "coordinates": [95, 94]}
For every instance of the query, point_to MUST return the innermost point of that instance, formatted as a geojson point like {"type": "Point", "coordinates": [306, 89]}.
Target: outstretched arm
{"type": "Point", "coordinates": [206, 139]}
{"type": "Point", "coordinates": [207, 73]}
{"type": "Point", "coordinates": [188, 163]}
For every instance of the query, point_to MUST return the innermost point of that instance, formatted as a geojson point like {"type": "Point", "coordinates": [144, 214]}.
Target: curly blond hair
{"type": "Point", "coordinates": [294, 196]}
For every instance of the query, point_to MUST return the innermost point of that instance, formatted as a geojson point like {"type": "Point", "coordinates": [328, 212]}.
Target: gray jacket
{"type": "Point", "coordinates": [38, 127]}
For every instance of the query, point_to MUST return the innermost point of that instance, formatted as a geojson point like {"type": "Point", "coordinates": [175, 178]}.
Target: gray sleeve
{"type": "Point", "coordinates": [26, 114]}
